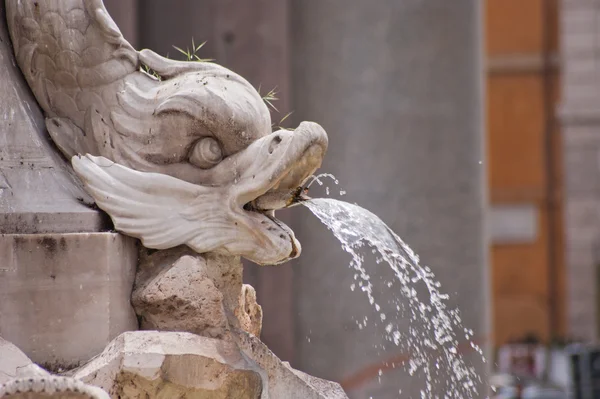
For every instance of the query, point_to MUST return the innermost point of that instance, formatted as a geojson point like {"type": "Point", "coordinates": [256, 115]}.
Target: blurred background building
{"type": "Point", "coordinates": [528, 274]}
{"type": "Point", "coordinates": [542, 110]}
{"type": "Point", "coordinates": [408, 85]}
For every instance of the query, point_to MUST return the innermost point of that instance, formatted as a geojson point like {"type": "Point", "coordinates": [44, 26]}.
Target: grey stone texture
{"type": "Point", "coordinates": [15, 364]}
{"type": "Point", "coordinates": [580, 119]}
{"type": "Point", "coordinates": [20, 378]}
{"type": "Point", "coordinates": [64, 287]}
{"type": "Point", "coordinates": [398, 86]}
{"type": "Point", "coordinates": [38, 191]}
{"type": "Point", "coordinates": [63, 297]}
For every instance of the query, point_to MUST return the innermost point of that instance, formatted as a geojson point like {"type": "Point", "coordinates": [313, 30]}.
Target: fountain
{"type": "Point", "coordinates": [181, 157]}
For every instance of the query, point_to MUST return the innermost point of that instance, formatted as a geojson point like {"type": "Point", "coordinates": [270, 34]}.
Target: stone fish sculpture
{"type": "Point", "coordinates": [186, 158]}
{"type": "Point", "coordinates": [182, 157]}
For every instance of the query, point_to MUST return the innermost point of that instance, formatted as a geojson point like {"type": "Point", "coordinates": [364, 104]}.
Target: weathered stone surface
{"type": "Point", "coordinates": [20, 378]}
{"type": "Point", "coordinates": [282, 380]}
{"type": "Point", "coordinates": [178, 290]}
{"type": "Point", "coordinates": [64, 297]}
{"type": "Point", "coordinates": [38, 190]}
{"type": "Point", "coordinates": [154, 364]}
{"type": "Point", "coordinates": [249, 313]}
{"type": "Point", "coordinates": [182, 298]}
{"type": "Point", "coordinates": [15, 364]}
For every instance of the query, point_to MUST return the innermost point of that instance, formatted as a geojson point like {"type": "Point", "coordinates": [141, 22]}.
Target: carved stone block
{"type": "Point", "coordinates": [63, 297]}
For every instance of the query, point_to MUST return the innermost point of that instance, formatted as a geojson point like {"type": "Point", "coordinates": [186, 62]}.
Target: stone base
{"type": "Point", "coordinates": [64, 297]}
{"type": "Point", "coordinates": [152, 364]}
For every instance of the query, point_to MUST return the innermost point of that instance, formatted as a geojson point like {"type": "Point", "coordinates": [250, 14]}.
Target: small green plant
{"type": "Point", "coordinates": [191, 55]}
{"type": "Point", "coordinates": [279, 125]}
{"type": "Point", "coordinates": [151, 72]}
{"type": "Point", "coordinates": [270, 97]}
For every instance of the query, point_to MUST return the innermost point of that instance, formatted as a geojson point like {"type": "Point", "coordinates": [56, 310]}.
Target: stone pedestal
{"type": "Point", "coordinates": [64, 285]}
{"type": "Point", "coordinates": [63, 297]}
{"type": "Point", "coordinates": [153, 364]}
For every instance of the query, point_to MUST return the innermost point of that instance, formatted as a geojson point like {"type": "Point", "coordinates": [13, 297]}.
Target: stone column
{"type": "Point", "coordinates": [398, 87]}
{"type": "Point", "coordinates": [580, 117]}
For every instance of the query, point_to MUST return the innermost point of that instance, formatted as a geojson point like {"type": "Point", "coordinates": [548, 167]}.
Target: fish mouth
{"type": "Point", "coordinates": [274, 181]}
{"type": "Point", "coordinates": [236, 216]}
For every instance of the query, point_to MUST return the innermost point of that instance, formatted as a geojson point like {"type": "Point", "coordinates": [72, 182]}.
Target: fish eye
{"type": "Point", "coordinates": [206, 153]}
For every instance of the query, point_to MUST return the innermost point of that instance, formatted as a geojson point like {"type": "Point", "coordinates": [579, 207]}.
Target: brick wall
{"type": "Point", "coordinates": [580, 117]}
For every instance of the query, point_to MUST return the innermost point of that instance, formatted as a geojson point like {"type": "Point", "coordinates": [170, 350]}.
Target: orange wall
{"type": "Point", "coordinates": [517, 153]}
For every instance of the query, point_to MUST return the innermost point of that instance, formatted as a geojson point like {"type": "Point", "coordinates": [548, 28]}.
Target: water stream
{"type": "Point", "coordinates": [432, 340]}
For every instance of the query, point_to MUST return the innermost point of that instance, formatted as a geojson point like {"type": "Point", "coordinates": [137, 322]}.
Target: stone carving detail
{"type": "Point", "coordinates": [178, 159]}
{"type": "Point", "coordinates": [50, 387]}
